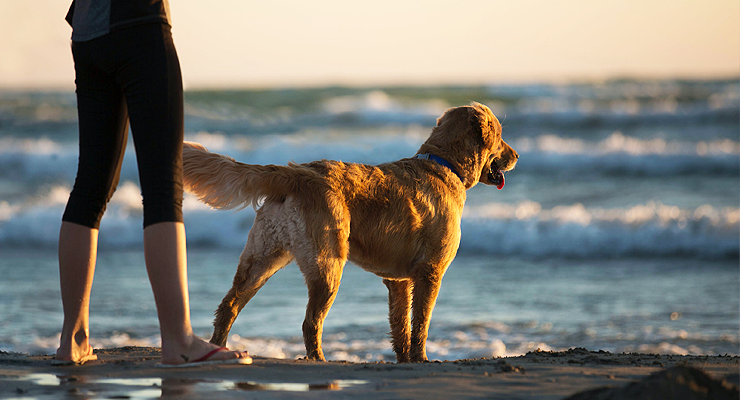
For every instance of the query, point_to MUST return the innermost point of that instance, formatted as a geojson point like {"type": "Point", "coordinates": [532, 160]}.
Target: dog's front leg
{"type": "Point", "coordinates": [425, 291]}
{"type": "Point", "coordinates": [399, 306]}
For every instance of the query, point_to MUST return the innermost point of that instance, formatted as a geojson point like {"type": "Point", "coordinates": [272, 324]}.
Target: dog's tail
{"type": "Point", "coordinates": [222, 182]}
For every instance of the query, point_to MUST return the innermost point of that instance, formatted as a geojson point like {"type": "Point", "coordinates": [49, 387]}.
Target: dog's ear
{"type": "Point", "coordinates": [468, 129]}
{"type": "Point", "coordinates": [485, 125]}
{"type": "Point", "coordinates": [450, 133]}
{"type": "Point", "coordinates": [453, 116]}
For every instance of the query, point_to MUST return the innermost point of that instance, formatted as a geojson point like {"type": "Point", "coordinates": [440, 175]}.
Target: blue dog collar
{"type": "Point", "coordinates": [440, 161]}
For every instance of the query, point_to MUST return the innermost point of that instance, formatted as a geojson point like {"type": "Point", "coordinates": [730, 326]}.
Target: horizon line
{"type": "Point", "coordinates": [400, 83]}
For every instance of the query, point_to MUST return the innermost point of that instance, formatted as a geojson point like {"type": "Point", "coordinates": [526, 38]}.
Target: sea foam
{"type": "Point", "coordinates": [523, 229]}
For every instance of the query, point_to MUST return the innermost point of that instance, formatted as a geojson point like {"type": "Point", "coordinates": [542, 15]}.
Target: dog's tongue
{"type": "Point", "coordinates": [501, 184]}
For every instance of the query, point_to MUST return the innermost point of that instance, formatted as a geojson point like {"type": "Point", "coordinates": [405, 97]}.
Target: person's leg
{"type": "Point", "coordinates": [102, 134]}
{"type": "Point", "coordinates": [77, 252]}
{"type": "Point", "coordinates": [153, 88]}
{"type": "Point", "coordinates": [164, 248]}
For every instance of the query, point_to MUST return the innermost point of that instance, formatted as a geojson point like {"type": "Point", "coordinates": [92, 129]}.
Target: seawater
{"type": "Point", "coordinates": [618, 230]}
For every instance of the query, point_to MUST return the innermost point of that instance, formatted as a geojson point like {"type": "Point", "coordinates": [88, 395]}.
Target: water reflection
{"type": "Point", "coordinates": [148, 388]}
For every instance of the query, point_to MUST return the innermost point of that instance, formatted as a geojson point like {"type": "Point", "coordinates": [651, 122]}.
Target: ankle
{"type": "Point", "coordinates": [75, 337]}
{"type": "Point", "coordinates": [178, 342]}
{"type": "Point", "coordinates": [82, 337]}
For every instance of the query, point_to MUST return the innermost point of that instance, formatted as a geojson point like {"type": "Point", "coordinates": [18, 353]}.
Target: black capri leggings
{"type": "Point", "coordinates": [130, 74]}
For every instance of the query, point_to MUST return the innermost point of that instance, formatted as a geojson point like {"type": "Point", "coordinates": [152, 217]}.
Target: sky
{"type": "Point", "coordinates": [245, 43]}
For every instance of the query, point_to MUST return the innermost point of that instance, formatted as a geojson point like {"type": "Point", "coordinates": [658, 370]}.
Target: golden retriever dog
{"type": "Point", "coordinates": [399, 220]}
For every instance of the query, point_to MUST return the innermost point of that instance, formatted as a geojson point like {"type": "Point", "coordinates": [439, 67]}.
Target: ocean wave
{"type": "Point", "coordinates": [619, 155]}
{"type": "Point", "coordinates": [610, 105]}
{"type": "Point", "coordinates": [33, 161]}
{"type": "Point", "coordinates": [619, 143]}
{"type": "Point", "coordinates": [378, 106]}
{"type": "Point", "coordinates": [651, 229]}
{"type": "Point", "coordinates": [448, 342]}
{"type": "Point", "coordinates": [523, 229]}
{"type": "Point", "coordinates": [357, 113]}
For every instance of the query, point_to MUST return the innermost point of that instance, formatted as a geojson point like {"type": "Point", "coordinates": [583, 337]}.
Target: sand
{"type": "Point", "coordinates": [131, 373]}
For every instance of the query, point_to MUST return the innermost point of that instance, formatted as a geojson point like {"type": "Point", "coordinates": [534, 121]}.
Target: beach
{"type": "Point", "coordinates": [617, 232]}
{"type": "Point", "coordinates": [131, 372]}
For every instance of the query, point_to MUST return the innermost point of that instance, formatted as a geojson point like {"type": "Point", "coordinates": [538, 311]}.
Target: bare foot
{"type": "Point", "coordinates": [74, 355]}
{"type": "Point", "coordinates": [197, 350]}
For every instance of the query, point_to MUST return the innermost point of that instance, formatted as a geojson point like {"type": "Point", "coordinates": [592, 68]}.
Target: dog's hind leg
{"type": "Point", "coordinates": [261, 258]}
{"type": "Point", "coordinates": [253, 272]}
{"type": "Point", "coordinates": [322, 290]}
{"type": "Point", "coordinates": [320, 242]}
{"type": "Point", "coordinates": [399, 306]}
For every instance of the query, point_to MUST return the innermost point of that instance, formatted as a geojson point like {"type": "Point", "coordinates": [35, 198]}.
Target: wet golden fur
{"type": "Point", "coordinates": [400, 221]}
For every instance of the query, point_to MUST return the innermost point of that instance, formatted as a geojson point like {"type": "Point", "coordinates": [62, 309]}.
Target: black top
{"type": "Point", "coordinates": [94, 18]}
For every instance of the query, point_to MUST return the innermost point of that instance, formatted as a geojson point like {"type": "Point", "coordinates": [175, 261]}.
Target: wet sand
{"type": "Point", "coordinates": [130, 372]}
